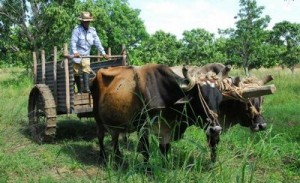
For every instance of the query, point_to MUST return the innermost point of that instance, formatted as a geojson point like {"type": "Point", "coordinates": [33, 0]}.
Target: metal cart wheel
{"type": "Point", "coordinates": [42, 114]}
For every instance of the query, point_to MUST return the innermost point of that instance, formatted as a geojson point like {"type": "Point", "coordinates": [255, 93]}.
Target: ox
{"type": "Point", "coordinates": [247, 113]}
{"type": "Point", "coordinates": [128, 99]}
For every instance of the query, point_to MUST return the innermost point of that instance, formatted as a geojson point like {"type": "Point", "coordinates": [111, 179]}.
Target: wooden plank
{"type": "Point", "coordinates": [66, 67]}
{"type": "Point", "coordinates": [83, 99]}
{"type": "Point", "coordinates": [83, 110]}
{"type": "Point", "coordinates": [34, 67]}
{"type": "Point", "coordinates": [54, 74]}
{"type": "Point", "coordinates": [43, 65]}
{"type": "Point", "coordinates": [82, 102]}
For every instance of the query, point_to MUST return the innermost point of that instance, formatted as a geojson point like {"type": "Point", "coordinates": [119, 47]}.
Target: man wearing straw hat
{"type": "Point", "coordinates": [83, 37]}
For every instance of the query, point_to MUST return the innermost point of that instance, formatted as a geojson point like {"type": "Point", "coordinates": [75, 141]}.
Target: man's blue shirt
{"type": "Point", "coordinates": [82, 41]}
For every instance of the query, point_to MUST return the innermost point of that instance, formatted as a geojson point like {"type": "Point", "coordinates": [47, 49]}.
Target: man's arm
{"type": "Point", "coordinates": [74, 40]}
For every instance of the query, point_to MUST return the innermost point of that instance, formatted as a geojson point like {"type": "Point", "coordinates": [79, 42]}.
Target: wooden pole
{"type": "Point", "coordinates": [258, 91]}
{"type": "Point", "coordinates": [124, 55]}
{"type": "Point", "coordinates": [34, 67]}
{"type": "Point", "coordinates": [67, 79]}
{"type": "Point", "coordinates": [98, 59]}
{"type": "Point", "coordinates": [55, 74]}
{"type": "Point", "coordinates": [43, 66]}
{"type": "Point", "coordinates": [109, 53]}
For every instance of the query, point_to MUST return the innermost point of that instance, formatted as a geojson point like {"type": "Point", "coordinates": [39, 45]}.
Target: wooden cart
{"type": "Point", "coordinates": [54, 94]}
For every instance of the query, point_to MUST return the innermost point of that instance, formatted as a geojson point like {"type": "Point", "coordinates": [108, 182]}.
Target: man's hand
{"type": "Point", "coordinates": [77, 55]}
{"type": "Point", "coordinates": [106, 56]}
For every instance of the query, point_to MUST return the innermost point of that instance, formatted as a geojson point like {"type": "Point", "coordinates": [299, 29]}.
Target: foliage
{"type": "Point", "coordinates": [34, 25]}
{"type": "Point", "coordinates": [198, 47]}
{"type": "Point", "coordinates": [161, 47]}
{"type": "Point", "coordinates": [287, 36]}
{"type": "Point", "coordinates": [246, 44]}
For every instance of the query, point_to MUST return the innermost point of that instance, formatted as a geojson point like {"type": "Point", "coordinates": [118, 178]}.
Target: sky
{"type": "Point", "coordinates": [177, 16]}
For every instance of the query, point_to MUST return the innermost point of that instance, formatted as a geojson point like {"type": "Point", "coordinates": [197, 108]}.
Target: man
{"type": "Point", "coordinates": [83, 37]}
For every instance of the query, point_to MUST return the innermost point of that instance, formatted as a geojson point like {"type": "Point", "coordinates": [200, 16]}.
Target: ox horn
{"type": "Point", "coordinates": [188, 82]}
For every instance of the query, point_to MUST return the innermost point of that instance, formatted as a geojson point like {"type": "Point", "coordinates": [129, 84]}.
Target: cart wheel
{"type": "Point", "coordinates": [42, 114]}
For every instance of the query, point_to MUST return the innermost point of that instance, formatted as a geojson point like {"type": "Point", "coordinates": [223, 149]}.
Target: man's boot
{"type": "Point", "coordinates": [78, 84]}
{"type": "Point", "coordinates": [86, 87]}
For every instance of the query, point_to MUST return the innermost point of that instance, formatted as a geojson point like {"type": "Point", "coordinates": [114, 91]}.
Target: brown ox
{"type": "Point", "coordinates": [128, 99]}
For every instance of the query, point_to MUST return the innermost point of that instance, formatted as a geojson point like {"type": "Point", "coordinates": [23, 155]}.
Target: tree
{"type": "Point", "coordinates": [246, 43]}
{"type": "Point", "coordinates": [198, 47]}
{"type": "Point", "coordinates": [32, 25]}
{"type": "Point", "coordinates": [286, 35]}
{"type": "Point", "coordinates": [161, 48]}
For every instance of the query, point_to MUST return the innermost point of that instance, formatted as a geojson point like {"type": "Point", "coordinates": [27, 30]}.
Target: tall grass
{"type": "Point", "coordinates": [269, 156]}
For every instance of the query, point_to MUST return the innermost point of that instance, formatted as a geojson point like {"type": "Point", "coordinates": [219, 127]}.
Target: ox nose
{"type": "Point", "coordinates": [262, 126]}
{"type": "Point", "coordinates": [215, 129]}
{"type": "Point", "coordinates": [259, 127]}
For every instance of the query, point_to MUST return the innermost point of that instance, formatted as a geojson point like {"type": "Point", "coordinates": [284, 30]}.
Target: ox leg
{"type": "Point", "coordinates": [143, 146]}
{"type": "Point", "coordinates": [115, 142]}
{"type": "Point", "coordinates": [213, 141]}
{"type": "Point", "coordinates": [164, 149]}
{"type": "Point", "coordinates": [101, 134]}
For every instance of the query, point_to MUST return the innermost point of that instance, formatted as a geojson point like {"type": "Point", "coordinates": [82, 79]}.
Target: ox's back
{"type": "Point", "coordinates": [122, 94]}
{"type": "Point", "coordinates": [116, 95]}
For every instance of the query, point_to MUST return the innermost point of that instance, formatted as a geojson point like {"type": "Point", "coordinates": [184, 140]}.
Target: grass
{"type": "Point", "coordinates": [269, 156]}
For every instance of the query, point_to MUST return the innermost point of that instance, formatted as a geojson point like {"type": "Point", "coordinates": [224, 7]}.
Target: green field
{"type": "Point", "coordinates": [269, 156]}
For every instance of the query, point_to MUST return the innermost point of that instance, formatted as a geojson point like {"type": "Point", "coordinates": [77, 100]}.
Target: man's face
{"type": "Point", "coordinates": [85, 24]}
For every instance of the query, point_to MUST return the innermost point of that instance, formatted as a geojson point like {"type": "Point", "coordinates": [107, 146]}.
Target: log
{"type": "Point", "coordinates": [258, 91]}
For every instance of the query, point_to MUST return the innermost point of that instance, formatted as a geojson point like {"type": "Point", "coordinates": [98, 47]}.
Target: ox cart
{"type": "Point", "coordinates": [54, 94]}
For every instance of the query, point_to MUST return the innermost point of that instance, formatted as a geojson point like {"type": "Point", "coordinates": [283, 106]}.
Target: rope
{"type": "Point", "coordinates": [209, 113]}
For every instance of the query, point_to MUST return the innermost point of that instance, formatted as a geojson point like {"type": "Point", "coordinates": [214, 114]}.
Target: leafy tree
{"type": "Point", "coordinates": [198, 47]}
{"type": "Point", "coordinates": [286, 35]}
{"type": "Point", "coordinates": [32, 25]}
{"type": "Point", "coordinates": [220, 51]}
{"type": "Point", "coordinates": [245, 45]}
{"type": "Point", "coordinates": [161, 47]}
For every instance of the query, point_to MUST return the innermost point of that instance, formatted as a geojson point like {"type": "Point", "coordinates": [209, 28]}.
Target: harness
{"type": "Point", "coordinates": [211, 116]}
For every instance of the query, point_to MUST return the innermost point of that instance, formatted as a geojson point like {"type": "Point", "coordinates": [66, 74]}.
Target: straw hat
{"type": "Point", "coordinates": [85, 17]}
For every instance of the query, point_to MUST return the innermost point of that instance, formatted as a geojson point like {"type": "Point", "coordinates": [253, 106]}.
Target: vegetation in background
{"type": "Point", "coordinates": [246, 44]}
{"type": "Point", "coordinates": [28, 26]}
{"type": "Point", "coordinates": [286, 36]}
{"type": "Point", "coordinates": [33, 25]}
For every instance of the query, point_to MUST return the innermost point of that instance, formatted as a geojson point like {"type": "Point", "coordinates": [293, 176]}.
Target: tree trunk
{"type": "Point", "coordinates": [246, 70]}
